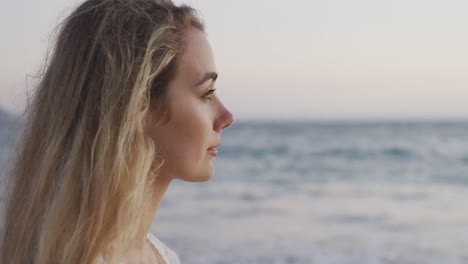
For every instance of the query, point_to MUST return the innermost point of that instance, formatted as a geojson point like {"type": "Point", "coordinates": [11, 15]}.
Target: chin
{"type": "Point", "coordinates": [199, 177]}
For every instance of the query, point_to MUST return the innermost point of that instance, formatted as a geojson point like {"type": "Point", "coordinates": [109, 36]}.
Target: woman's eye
{"type": "Point", "coordinates": [206, 95]}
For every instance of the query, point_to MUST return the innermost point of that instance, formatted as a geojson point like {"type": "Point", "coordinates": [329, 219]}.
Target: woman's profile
{"type": "Point", "coordinates": [125, 105]}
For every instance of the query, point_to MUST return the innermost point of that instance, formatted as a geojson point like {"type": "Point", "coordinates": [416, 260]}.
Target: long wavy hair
{"type": "Point", "coordinates": [81, 173]}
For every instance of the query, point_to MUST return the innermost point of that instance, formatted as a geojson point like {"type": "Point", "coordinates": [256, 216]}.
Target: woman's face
{"type": "Point", "coordinates": [197, 116]}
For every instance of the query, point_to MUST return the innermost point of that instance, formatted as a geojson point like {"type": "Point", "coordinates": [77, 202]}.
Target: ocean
{"type": "Point", "coordinates": [324, 192]}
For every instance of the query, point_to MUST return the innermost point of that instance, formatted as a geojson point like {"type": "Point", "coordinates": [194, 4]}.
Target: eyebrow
{"type": "Point", "coordinates": [208, 76]}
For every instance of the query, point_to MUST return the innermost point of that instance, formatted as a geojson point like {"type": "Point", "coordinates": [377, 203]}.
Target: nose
{"type": "Point", "coordinates": [224, 120]}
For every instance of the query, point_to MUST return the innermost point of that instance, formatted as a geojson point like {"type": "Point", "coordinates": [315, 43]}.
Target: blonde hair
{"type": "Point", "coordinates": [82, 172]}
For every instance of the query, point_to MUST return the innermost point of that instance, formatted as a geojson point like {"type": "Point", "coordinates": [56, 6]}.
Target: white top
{"type": "Point", "coordinates": [166, 253]}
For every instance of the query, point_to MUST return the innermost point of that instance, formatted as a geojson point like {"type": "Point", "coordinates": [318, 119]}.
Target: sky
{"type": "Point", "coordinates": [297, 59]}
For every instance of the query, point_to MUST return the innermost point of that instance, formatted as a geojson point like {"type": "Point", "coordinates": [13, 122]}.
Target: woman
{"type": "Point", "coordinates": [125, 105]}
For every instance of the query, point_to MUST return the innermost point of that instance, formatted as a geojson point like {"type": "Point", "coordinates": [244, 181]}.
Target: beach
{"type": "Point", "coordinates": [326, 192]}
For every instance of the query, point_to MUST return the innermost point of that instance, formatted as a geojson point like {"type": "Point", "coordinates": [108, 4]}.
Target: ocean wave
{"type": "Point", "coordinates": [356, 153]}
{"type": "Point", "coordinates": [237, 151]}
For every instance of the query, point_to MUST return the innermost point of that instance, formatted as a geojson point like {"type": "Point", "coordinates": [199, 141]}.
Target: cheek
{"type": "Point", "coordinates": [187, 136]}
{"type": "Point", "coordinates": [189, 128]}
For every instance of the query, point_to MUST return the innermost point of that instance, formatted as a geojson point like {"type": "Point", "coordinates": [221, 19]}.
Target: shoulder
{"type": "Point", "coordinates": [169, 256]}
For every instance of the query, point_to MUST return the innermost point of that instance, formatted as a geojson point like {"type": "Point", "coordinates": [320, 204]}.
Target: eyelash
{"type": "Point", "coordinates": [205, 96]}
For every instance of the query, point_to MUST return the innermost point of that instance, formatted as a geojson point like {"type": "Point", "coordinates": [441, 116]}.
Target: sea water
{"type": "Point", "coordinates": [326, 192]}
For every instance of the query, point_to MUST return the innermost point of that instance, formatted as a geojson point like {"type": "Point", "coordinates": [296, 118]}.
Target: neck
{"type": "Point", "coordinates": [160, 185]}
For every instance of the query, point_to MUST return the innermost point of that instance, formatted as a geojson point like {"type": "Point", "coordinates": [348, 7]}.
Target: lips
{"type": "Point", "coordinates": [213, 151]}
{"type": "Point", "coordinates": [215, 146]}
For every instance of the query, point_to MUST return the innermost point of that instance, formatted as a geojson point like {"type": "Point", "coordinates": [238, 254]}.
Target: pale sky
{"type": "Point", "coordinates": [297, 59]}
